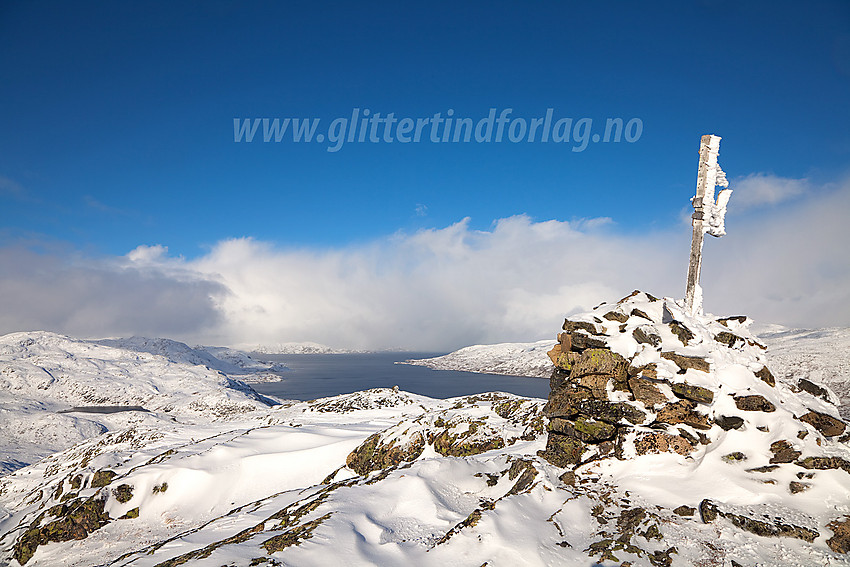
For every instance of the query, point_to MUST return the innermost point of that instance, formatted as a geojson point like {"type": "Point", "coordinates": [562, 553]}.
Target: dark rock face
{"type": "Point", "coordinates": [710, 511]}
{"type": "Point", "coordinates": [824, 423]}
{"type": "Point", "coordinates": [124, 493]}
{"type": "Point", "coordinates": [813, 389]}
{"type": "Point", "coordinates": [563, 450]}
{"type": "Point", "coordinates": [374, 455]}
{"type": "Point", "coordinates": [729, 339]}
{"type": "Point", "coordinates": [754, 402]}
{"type": "Point", "coordinates": [783, 452]}
{"type": "Point", "coordinates": [825, 463]}
{"type": "Point", "coordinates": [646, 336]}
{"type": "Point", "coordinates": [729, 422]}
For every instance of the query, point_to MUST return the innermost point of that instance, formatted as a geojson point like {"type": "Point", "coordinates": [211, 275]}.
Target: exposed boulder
{"type": "Point", "coordinates": [686, 362]}
{"type": "Point", "coordinates": [826, 424]}
{"type": "Point", "coordinates": [753, 402]}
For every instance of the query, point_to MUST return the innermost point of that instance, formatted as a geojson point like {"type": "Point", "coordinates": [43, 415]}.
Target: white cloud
{"type": "Point", "coordinates": [759, 189]}
{"type": "Point", "coordinates": [438, 288]}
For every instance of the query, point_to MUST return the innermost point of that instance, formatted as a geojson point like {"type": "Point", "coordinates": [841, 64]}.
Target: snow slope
{"type": "Point", "coordinates": [384, 477]}
{"type": "Point", "coordinates": [44, 373]}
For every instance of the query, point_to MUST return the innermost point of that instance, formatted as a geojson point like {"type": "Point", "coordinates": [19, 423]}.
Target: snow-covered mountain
{"type": "Point", "coordinates": [43, 373]}
{"type": "Point", "coordinates": [696, 456]}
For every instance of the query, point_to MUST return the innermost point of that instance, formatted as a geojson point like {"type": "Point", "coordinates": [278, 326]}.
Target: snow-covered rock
{"type": "Point", "coordinates": [512, 359]}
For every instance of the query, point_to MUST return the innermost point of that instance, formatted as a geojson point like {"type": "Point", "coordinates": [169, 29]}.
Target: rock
{"type": "Point", "coordinates": [735, 457]}
{"type": "Point", "coordinates": [840, 540]}
{"type": "Point", "coordinates": [570, 326]}
{"type": "Point", "coordinates": [660, 442]}
{"type": "Point", "coordinates": [740, 319]}
{"type": "Point", "coordinates": [102, 477]}
{"type": "Point", "coordinates": [584, 429]}
{"type": "Point", "coordinates": [562, 359]}
{"type": "Point", "coordinates": [647, 392]}
{"type": "Point", "coordinates": [683, 510]}
{"type": "Point", "coordinates": [826, 424]}
{"type": "Point", "coordinates": [600, 361]}
{"type": "Point", "coordinates": [796, 487]}
{"type": "Point", "coordinates": [566, 401]}
{"type": "Point", "coordinates": [783, 452]}
{"type": "Point", "coordinates": [764, 469]}
{"type": "Point", "coordinates": [581, 341]}
{"type": "Point", "coordinates": [638, 313]}
{"type": "Point", "coordinates": [765, 376]}
{"type": "Point", "coordinates": [646, 335]}
{"type": "Point", "coordinates": [824, 463]}
{"type": "Point", "coordinates": [568, 478]}
{"type": "Point", "coordinates": [729, 339]}
{"type": "Point", "coordinates": [123, 494]}
{"type": "Point", "coordinates": [813, 389]}
{"type": "Point", "coordinates": [597, 384]}
{"type": "Point", "coordinates": [681, 331]}
{"type": "Point", "coordinates": [616, 316]}
{"type": "Point", "coordinates": [74, 520]}
{"type": "Point", "coordinates": [562, 450]}
{"type": "Point", "coordinates": [134, 513]}
{"type": "Point", "coordinates": [753, 402]}
{"type": "Point", "coordinates": [646, 371]}
{"type": "Point", "coordinates": [686, 362]}
{"type": "Point", "coordinates": [693, 393]}
{"type": "Point", "coordinates": [729, 422]}
{"type": "Point", "coordinates": [682, 412]}
{"type": "Point", "coordinates": [373, 454]}
{"type": "Point", "coordinates": [710, 511]}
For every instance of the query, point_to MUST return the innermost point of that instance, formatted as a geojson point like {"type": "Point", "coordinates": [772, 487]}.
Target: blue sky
{"type": "Point", "coordinates": [118, 120]}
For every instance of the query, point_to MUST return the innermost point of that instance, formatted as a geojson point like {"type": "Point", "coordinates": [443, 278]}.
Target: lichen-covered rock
{"type": "Point", "coordinates": [825, 463]}
{"type": "Point", "coordinates": [102, 478]}
{"type": "Point", "coordinates": [826, 424]}
{"type": "Point", "coordinates": [598, 361]}
{"type": "Point", "coordinates": [584, 429]}
{"type": "Point", "coordinates": [660, 442]}
{"type": "Point", "coordinates": [687, 362]}
{"type": "Point", "coordinates": [647, 392]}
{"type": "Point", "coordinates": [693, 393]}
{"type": "Point", "coordinates": [73, 520]}
{"type": "Point", "coordinates": [562, 450]}
{"type": "Point", "coordinates": [683, 412]}
{"type": "Point", "coordinates": [375, 454]}
{"type": "Point", "coordinates": [753, 402]}
{"type": "Point", "coordinates": [123, 494]}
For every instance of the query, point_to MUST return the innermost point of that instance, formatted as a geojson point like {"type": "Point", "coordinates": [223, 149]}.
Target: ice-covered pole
{"type": "Point", "coordinates": [709, 214]}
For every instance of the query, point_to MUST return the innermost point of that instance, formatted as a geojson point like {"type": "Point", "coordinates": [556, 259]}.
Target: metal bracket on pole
{"type": "Point", "coordinates": [709, 215]}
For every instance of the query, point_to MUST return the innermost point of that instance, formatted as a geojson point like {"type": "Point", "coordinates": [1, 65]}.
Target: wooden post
{"type": "Point", "coordinates": [703, 202]}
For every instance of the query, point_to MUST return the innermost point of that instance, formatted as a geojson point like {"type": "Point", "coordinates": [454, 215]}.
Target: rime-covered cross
{"type": "Point", "coordinates": [709, 214]}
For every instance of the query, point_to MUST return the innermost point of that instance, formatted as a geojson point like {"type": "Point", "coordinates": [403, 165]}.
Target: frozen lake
{"type": "Point", "coordinates": [321, 375]}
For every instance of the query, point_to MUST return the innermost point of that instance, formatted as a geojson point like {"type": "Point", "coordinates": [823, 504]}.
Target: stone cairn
{"type": "Point", "coordinates": [646, 376]}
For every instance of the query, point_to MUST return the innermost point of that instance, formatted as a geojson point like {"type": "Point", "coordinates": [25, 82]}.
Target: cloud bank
{"type": "Point", "coordinates": [443, 288]}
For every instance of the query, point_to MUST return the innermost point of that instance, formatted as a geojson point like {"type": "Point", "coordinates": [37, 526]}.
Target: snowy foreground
{"type": "Point", "coordinates": [214, 474]}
